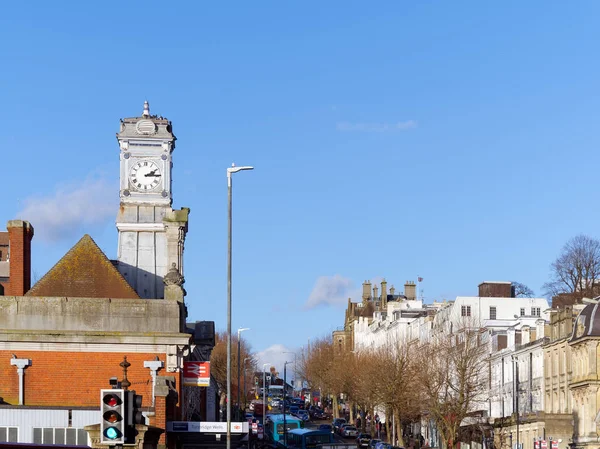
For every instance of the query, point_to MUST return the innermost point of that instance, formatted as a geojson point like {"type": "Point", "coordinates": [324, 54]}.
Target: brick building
{"type": "Point", "coordinates": [62, 340]}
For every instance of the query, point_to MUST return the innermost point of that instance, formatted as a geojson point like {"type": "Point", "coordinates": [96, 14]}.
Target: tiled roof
{"type": "Point", "coordinates": [83, 272]}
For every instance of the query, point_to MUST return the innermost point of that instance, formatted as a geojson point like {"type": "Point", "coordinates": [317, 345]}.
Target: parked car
{"type": "Point", "coordinates": [326, 427]}
{"type": "Point", "coordinates": [293, 409]}
{"type": "Point", "coordinates": [382, 445]}
{"type": "Point", "coordinates": [363, 439]}
{"type": "Point", "coordinates": [349, 431]}
{"type": "Point", "coordinates": [343, 426]}
{"type": "Point", "coordinates": [317, 413]}
{"type": "Point", "coordinates": [337, 423]}
{"type": "Point", "coordinates": [303, 415]}
{"type": "Point", "coordinates": [373, 443]}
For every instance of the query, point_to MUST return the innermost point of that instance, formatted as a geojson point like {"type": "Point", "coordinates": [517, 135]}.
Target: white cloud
{"type": "Point", "coordinates": [330, 290]}
{"type": "Point", "coordinates": [376, 127]}
{"type": "Point", "coordinates": [70, 207]}
{"type": "Point", "coordinates": [276, 356]}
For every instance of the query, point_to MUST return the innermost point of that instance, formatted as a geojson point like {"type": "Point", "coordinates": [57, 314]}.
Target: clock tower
{"type": "Point", "coordinates": [151, 233]}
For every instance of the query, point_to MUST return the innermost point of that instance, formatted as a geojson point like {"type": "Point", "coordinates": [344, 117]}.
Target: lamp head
{"type": "Point", "coordinates": [234, 169]}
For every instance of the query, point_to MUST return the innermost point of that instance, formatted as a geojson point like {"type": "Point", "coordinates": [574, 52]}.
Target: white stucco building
{"type": "Point", "coordinates": [516, 331]}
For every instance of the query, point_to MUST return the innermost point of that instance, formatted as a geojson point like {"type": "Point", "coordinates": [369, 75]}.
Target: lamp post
{"type": "Point", "coordinates": [240, 330]}
{"type": "Point", "coordinates": [245, 396]}
{"type": "Point", "coordinates": [230, 171]}
{"type": "Point", "coordinates": [294, 389]}
{"type": "Point", "coordinates": [284, 423]}
{"type": "Point", "coordinates": [264, 393]}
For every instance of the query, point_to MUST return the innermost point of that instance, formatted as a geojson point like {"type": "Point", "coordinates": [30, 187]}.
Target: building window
{"type": "Point", "coordinates": [465, 310]}
{"type": "Point", "coordinates": [60, 435]}
{"type": "Point", "coordinates": [492, 312]}
{"type": "Point", "coordinates": [9, 434]}
{"type": "Point", "coordinates": [535, 311]}
{"type": "Point", "coordinates": [522, 311]}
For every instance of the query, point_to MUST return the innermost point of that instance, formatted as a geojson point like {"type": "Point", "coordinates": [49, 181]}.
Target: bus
{"type": "Point", "coordinates": [308, 438]}
{"type": "Point", "coordinates": [274, 426]}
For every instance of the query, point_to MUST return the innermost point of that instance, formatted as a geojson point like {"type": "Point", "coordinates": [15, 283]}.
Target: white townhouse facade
{"type": "Point", "coordinates": [516, 332]}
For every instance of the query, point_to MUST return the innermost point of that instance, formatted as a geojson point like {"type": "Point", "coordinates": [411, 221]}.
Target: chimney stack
{"type": "Point", "coordinates": [410, 290]}
{"type": "Point", "coordinates": [383, 294]}
{"type": "Point", "coordinates": [366, 291]}
{"type": "Point", "coordinates": [20, 233]}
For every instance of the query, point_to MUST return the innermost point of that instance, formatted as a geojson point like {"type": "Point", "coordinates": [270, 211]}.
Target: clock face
{"type": "Point", "coordinates": [144, 175]}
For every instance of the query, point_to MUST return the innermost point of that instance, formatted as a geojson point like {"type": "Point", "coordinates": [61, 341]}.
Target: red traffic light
{"type": "Point", "coordinates": [112, 400]}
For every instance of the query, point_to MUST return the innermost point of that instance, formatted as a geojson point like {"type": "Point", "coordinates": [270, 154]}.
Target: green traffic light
{"type": "Point", "coordinates": [111, 433]}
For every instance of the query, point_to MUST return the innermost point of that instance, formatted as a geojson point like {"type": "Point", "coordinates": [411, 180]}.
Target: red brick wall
{"type": "Point", "coordinates": [72, 378]}
{"type": "Point", "coordinates": [160, 418]}
{"type": "Point", "coordinates": [20, 234]}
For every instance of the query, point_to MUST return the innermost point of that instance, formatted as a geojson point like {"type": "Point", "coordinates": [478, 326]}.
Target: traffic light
{"type": "Point", "coordinates": [133, 403]}
{"type": "Point", "coordinates": [133, 415]}
{"type": "Point", "coordinates": [112, 423]}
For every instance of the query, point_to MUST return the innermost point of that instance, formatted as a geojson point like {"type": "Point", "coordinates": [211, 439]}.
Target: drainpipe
{"type": "Point", "coordinates": [21, 364]}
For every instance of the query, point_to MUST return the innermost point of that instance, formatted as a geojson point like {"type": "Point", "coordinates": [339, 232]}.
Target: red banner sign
{"type": "Point", "coordinates": [196, 374]}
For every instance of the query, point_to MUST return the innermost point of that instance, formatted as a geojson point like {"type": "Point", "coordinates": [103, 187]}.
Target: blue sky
{"type": "Point", "coordinates": [457, 141]}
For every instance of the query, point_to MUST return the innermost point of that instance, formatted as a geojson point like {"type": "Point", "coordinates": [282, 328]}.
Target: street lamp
{"type": "Point", "coordinates": [294, 389]}
{"type": "Point", "coordinates": [240, 330]}
{"type": "Point", "coordinates": [264, 393]}
{"type": "Point", "coordinates": [245, 396]}
{"type": "Point", "coordinates": [230, 171]}
{"type": "Point", "coordinates": [284, 423]}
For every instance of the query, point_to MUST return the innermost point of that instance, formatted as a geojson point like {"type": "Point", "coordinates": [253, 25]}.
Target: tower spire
{"type": "Point", "coordinates": [146, 112]}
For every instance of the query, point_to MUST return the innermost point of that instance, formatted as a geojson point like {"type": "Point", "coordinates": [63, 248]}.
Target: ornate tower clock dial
{"type": "Point", "coordinates": [144, 175]}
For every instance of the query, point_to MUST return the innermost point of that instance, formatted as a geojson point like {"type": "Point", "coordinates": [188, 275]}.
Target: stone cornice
{"type": "Point", "coordinates": [89, 339]}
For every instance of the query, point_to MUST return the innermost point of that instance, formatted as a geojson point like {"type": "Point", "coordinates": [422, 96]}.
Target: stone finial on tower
{"type": "Point", "coordinates": [146, 112]}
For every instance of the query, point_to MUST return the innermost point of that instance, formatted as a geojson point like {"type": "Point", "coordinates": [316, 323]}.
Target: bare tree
{"type": "Point", "coordinates": [398, 389]}
{"type": "Point", "coordinates": [522, 290]}
{"type": "Point", "coordinates": [453, 380]}
{"type": "Point", "coordinates": [576, 269]}
{"type": "Point", "coordinates": [218, 363]}
{"type": "Point", "coordinates": [317, 368]}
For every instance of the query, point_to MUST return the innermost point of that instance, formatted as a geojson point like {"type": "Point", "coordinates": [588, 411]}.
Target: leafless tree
{"type": "Point", "coordinates": [316, 366]}
{"type": "Point", "coordinates": [522, 290]}
{"type": "Point", "coordinates": [397, 386]}
{"type": "Point", "coordinates": [453, 380]}
{"type": "Point", "coordinates": [576, 270]}
{"type": "Point", "coordinates": [218, 364]}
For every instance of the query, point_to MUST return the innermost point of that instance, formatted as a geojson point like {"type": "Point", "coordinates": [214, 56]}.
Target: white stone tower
{"type": "Point", "coordinates": [151, 233]}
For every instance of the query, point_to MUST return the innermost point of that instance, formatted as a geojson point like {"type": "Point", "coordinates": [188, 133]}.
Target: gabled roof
{"type": "Point", "coordinates": [84, 272]}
